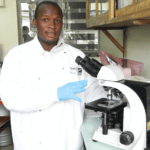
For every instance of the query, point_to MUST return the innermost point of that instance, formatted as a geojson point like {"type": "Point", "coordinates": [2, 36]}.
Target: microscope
{"type": "Point", "coordinates": [123, 121]}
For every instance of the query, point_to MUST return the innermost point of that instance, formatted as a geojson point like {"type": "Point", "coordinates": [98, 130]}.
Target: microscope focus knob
{"type": "Point", "coordinates": [126, 138]}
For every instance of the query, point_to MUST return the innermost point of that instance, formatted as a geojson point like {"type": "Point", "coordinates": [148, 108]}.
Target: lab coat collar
{"type": "Point", "coordinates": [39, 49]}
{"type": "Point", "coordinates": [60, 42]}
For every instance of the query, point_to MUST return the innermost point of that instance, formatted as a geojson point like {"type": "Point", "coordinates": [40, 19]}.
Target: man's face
{"type": "Point", "coordinates": [48, 24]}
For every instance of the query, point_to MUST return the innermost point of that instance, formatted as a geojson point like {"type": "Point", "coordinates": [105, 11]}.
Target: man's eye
{"type": "Point", "coordinates": [57, 20]}
{"type": "Point", "coordinates": [45, 20]}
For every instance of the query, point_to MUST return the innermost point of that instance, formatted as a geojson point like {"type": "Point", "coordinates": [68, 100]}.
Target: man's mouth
{"type": "Point", "coordinates": [51, 33]}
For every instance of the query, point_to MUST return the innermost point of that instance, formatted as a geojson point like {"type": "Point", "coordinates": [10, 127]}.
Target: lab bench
{"type": "Point", "coordinates": [90, 124]}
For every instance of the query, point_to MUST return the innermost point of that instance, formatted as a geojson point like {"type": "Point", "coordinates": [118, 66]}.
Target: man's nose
{"type": "Point", "coordinates": [51, 24]}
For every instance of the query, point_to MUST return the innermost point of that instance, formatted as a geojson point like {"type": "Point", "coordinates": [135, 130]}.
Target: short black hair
{"type": "Point", "coordinates": [25, 28]}
{"type": "Point", "coordinates": [46, 2]}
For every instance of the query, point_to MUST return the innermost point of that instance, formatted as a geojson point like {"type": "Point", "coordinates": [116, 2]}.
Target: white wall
{"type": "Point", "coordinates": [8, 26]}
{"type": "Point", "coordinates": [138, 45]}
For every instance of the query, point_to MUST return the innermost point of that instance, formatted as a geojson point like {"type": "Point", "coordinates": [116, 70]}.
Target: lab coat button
{"type": "Point", "coordinates": [65, 52]}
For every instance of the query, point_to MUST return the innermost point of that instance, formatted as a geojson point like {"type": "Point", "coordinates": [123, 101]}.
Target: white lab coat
{"type": "Point", "coordinates": [30, 77]}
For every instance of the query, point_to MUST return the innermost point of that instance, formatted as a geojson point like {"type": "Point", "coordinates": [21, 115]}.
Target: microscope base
{"type": "Point", "coordinates": [112, 138]}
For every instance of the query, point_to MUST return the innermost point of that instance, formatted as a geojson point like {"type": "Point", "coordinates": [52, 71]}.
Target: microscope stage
{"type": "Point", "coordinates": [104, 105]}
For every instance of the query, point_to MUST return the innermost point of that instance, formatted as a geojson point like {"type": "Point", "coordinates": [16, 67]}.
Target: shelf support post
{"type": "Point", "coordinates": [96, 1]}
{"type": "Point", "coordinates": [111, 9]}
{"type": "Point", "coordinates": [134, 1]}
{"type": "Point", "coordinates": [87, 9]}
{"type": "Point", "coordinates": [124, 42]}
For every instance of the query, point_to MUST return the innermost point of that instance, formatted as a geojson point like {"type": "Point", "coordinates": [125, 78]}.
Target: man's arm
{"type": "Point", "coordinates": [16, 95]}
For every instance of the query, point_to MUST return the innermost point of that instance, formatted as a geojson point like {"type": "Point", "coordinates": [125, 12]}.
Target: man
{"type": "Point", "coordinates": [26, 35]}
{"type": "Point", "coordinates": [42, 88]}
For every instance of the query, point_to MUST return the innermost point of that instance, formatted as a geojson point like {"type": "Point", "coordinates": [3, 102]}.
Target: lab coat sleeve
{"type": "Point", "coordinates": [21, 97]}
{"type": "Point", "coordinates": [94, 91]}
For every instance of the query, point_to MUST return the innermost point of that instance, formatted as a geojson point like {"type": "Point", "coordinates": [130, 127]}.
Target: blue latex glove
{"type": "Point", "coordinates": [69, 90]}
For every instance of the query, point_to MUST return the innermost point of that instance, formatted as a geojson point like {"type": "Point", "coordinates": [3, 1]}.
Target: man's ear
{"type": "Point", "coordinates": [34, 23]}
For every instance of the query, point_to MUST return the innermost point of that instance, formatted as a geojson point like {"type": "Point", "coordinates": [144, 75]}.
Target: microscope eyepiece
{"type": "Point", "coordinates": [96, 63]}
{"type": "Point", "coordinates": [78, 60]}
{"type": "Point", "coordinates": [90, 66]}
{"type": "Point", "coordinates": [87, 59]}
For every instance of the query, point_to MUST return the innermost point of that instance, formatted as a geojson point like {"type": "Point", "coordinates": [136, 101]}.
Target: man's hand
{"type": "Point", "coordinates": [69, 90]}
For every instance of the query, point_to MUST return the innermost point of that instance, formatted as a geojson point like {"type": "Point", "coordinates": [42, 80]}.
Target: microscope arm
{"type": "Point", "coordinates": [137, 123]}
